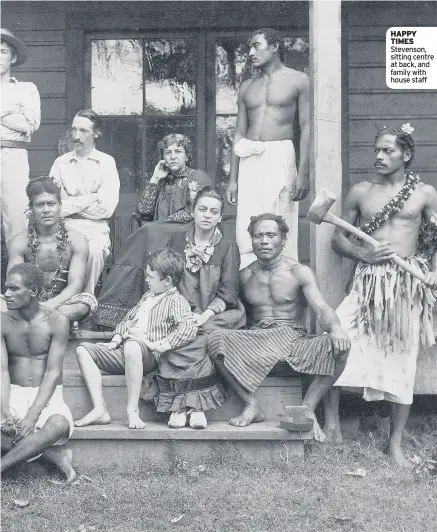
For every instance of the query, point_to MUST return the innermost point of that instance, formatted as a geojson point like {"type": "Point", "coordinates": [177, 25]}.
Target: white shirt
{"type": "Point", "coordinates": [26, 96]}
{"type": "Point", "coordinates": [80, 178]}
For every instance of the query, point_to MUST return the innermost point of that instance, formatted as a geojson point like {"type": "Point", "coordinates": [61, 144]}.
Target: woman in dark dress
{"type": "Point", "coordinates": [166, 207]}
{"type": "Point", "coordinates": [211, 277]}
{"type": "Point", "coordinates": [210, 283]}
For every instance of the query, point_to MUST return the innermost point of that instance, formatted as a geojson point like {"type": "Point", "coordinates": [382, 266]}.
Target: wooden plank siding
{"type": "Point", "coordinates": [44, 35]}
{"type": "Point", "coordinates": [371, 104]}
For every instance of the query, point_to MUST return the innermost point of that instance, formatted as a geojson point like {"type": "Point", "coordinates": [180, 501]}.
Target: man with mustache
{"type": "Point", "coordinates": [388, 313]}
{"type": "Point", "coordinates": [90, 191]}
{"type": "Point", "coordinates": [263, 161]}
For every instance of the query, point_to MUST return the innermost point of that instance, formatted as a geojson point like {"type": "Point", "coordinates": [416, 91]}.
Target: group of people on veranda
{"type": "Point", "coordinates": [194, 313]}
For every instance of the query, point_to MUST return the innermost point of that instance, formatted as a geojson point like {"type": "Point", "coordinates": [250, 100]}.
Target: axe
{"type": "Point", "coordinates": [318, 212]}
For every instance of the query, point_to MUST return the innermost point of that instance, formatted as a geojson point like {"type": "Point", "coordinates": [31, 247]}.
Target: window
{"type": "Point", "coordinates": [146, 86]}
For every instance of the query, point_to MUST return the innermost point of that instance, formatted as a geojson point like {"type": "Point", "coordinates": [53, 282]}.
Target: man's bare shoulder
{"type": "Point", "coordinates": [296, 76]}
{"type": "Point", "coordinates": [427, 190]}
{"type": "Point", "coordinates": [304, 275]}
{"type": "Point", "coordinates": [248, 271]}
{"type": "Point", "coordinates": [245, 85]}
{"type": "Point", "coordinates": [19, 242]}
{"type": "Point", "coordinates": [58, 323]}
{"type": "Point", "coordinates": [360, 189]}
{"type": "Point", "coordinates": [6, 319]}
{"type": "Point", "coordinates": [79, 243]}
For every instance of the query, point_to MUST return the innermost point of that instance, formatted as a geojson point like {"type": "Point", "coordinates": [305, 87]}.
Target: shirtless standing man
{"type": "Point", "coordinates": [388, 313]}
{"type": "Point", "coordinates": [61, 253]}
{"type": "Point", "coordinates": [277, 291]}
{"type": "Point", "coordinates": [34, 417]}
{"type": "Point", "coordinates": [263, 161]}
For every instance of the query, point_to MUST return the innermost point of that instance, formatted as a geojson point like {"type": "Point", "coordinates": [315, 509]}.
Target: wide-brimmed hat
{"type": "Point", "coordinates": [19, 47]}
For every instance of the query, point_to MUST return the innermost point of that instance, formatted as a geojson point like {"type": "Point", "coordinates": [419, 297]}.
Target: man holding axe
{"type": "Point", "coordinates": [388, 312]}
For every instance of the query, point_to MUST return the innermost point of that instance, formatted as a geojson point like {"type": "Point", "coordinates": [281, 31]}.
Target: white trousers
{"type": "Point", "coordinates": [14, 179]}
{"type": "Point", "coordinates": [97, 234]}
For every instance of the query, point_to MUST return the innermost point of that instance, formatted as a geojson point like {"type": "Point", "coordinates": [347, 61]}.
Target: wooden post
{"type": "Point", "coordinates": [326, 164]}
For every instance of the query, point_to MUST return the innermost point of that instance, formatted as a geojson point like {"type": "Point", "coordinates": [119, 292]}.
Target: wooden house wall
{"type": "Point", "coordinates": [370, 103]}
{"type": "Point", "coordinates": [44, 35]}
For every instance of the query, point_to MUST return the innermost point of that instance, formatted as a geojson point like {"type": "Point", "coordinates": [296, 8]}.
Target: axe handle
{"type": "Point", "coordinates": [335, 220]}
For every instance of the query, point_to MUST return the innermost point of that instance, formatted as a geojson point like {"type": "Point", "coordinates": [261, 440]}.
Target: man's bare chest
{"type": "Point", "coordinates": [376, 200]}
{"type": "Point", "coordinates": [272, 288]}
{"type": "Point", "coordinates": [273, 93]}
{"type": "Point", "coordinates": [28, 339]}
{"type": "Point", "coordinates": [48, 255]}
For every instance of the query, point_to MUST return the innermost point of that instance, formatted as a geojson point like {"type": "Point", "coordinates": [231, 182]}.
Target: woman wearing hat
{"type": "Point", "coordinates": [20, 117]}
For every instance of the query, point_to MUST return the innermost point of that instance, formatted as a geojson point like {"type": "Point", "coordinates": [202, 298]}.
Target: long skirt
{"type": "Point", "coordinates": [125, 284]}
{"type": "Point", "coordinates": [250, 355]}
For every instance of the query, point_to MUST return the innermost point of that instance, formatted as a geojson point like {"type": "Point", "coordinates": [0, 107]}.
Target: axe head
{"type": "Point", "coordinates": [320, 206]}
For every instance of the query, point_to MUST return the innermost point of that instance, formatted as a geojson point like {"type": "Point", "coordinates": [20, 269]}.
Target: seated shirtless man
{"type": "Point", "coordinates": [34, 417]}
{"type": "Point", "coordinates": [61, 253]}
{"type": "Point", "coordinates": [276, 291]}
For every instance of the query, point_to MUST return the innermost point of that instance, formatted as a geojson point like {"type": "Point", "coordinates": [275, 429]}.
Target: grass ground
{"type": "Point", "coordinates": [315, 494]}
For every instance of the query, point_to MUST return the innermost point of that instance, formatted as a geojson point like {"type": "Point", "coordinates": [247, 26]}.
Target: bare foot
{"type": "Point", "coordinates": [251, 413]}
{"type": "Point", "coordinates": [333, 434]}
{"type": "Point", "coordinates": [61, 457]}
{"type": "Point", "coordinates": [95, 417]}
{"type": "Point", "coordinates": [396, 453]}
{"type": "Point", "coordinates": [318, 433]}
{"type": "Point", "coordinates": [135, 422]}
{"type": "Point", "coordinates": [74, 328]}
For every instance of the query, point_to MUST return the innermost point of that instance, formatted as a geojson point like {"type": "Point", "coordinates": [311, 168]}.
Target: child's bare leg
{"type": "Point", "coordinates": [134, 375]}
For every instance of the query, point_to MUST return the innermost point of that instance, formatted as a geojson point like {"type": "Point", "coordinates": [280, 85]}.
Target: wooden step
{"type": "Point", "coordinates": [272, 394]}
{"type": "Point", "coordinates": [116, 446]}
{"type": "Point", "coordinates": [426, 374]}
{"type": "Point", "coordinates": [70, 361]}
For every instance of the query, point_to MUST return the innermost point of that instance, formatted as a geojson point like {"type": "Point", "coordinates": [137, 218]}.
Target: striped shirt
{"type": "Point", "coordinates": [169, 321]}
{"type": "Point", "coordinates": [89, 186]}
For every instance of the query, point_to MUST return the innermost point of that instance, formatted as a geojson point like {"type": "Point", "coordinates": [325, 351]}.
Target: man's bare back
{"type": "Point", "coordinates": [271, 103]}
{"type": "Point", "coordinates": [28, 344]}
{"type": "Point", "coordinates": [402, 229]}
{"type": "Point", "coordinates": [275, 293]}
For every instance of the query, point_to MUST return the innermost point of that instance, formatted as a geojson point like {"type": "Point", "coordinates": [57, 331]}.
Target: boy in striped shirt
{"type": "Point", "coordinates": [158, 334]}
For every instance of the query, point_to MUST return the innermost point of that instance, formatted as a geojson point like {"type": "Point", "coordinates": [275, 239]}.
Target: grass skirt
{"type": "Point", "coordinates": [387, 315]}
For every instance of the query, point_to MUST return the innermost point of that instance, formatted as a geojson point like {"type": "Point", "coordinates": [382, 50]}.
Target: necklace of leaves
{"type": "Point", "coordinates": [393, 206]}
{"type": "Point", "coordinates": [61, 248]}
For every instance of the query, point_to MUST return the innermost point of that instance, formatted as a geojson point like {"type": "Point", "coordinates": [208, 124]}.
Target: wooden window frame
{"type": "Point", "coordinates": [200, 114]}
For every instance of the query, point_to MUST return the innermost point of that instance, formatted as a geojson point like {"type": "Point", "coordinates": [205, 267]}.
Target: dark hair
{"type": "Point", "coordinates": [94, 118]}
{"type": "Point", "coordinates": [404, 140]}
{"type": "Point", "coordinates": [42, 184]}
{"type": "Point", "coordinates": [167, 263]}
{"type": "Point", "coordinates": [209, 192]}
{"type": "Point", "coordinates": [31, 275]}
{"type": "Point", "coordinates": [283, 227]}
{"type": "Point", "coordinates": [179, 140]}
{"type": "Point", "coordinates": [271, 36]}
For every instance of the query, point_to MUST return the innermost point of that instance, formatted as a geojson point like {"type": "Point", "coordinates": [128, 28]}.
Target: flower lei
{"type": "Point", "coordinates": [197, 255]}
{"type": "Point", "coordinates": [61, 248]}
{"type": "Point", "coordinates": [393, 206]}
{"type": "Point", "coordinates": [11, 426]}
